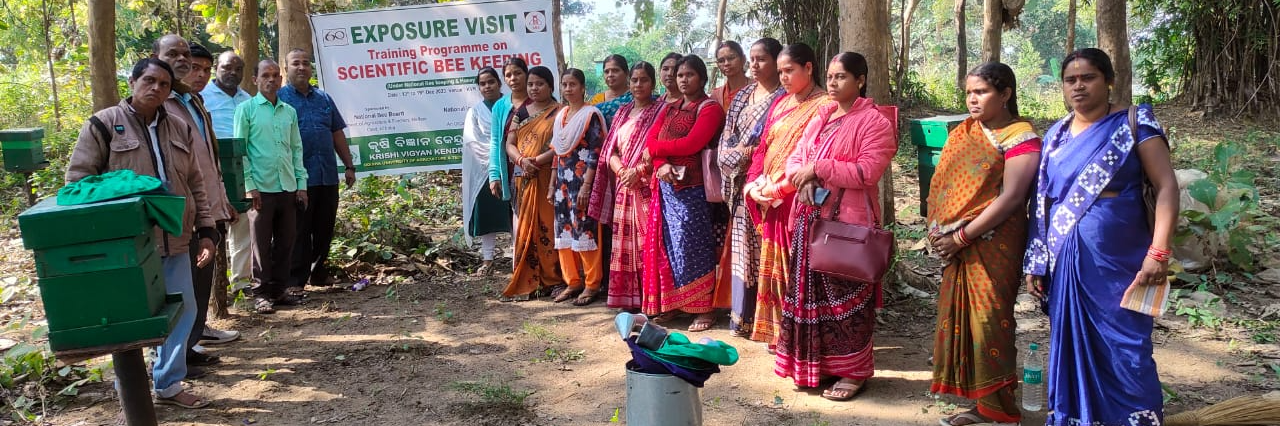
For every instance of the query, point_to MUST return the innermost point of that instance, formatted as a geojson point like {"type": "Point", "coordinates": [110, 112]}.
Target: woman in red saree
{"type": "Point", "coordinates": [621, 196]}
{"type": "Point", "coordinates": [767, 184]}
{"type": "Point", "coordinates": [827, 323]}
{"type": "Point", "coordinates": [682, 245]}
{"type": "Point", "coordinates": [978, 223]}
{"type": "Point", "coordinates": [528, 147]}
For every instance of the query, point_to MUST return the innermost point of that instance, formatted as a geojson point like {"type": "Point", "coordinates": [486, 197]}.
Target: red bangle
{"type": "Point", "coordinates": [1158, 254]}
{"type": "Point", "coordinates": [964, 239]}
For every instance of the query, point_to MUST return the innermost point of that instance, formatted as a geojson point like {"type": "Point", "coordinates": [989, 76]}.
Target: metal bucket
{"type": "Point", "coordinates": [661, 400]}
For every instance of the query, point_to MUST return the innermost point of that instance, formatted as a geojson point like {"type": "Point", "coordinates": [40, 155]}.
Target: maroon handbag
{"type": "Point", "coordinates": [711, 178]}
{"type": "Point", "coordinates": [850, 251]}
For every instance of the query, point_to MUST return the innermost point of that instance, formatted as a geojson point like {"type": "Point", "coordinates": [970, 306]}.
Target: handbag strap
{"type": "Point", "coordinates": [835, 208]}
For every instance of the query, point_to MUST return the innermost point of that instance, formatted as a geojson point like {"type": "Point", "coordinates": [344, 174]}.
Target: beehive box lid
{"type": "Point", "coordinates": [22, 134]}
{"type": "Point", "coordinates": [49, 225]}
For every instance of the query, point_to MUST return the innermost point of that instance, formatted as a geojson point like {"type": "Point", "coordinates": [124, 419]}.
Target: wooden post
{"type": "Point", "coordinates": [992, 26]}
{"type": "Point", "coordinates": [715, 74]}
{"type": "Point", "coordinates": [135, 387]}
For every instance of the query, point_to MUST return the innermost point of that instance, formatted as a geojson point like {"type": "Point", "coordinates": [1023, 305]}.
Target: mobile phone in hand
{"type": "Point", "coordinates": [820, 195]}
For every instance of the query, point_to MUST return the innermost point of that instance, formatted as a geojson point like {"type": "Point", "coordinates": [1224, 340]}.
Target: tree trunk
{"type": "Point", "coordinates": [904, 50]}
{"type": "Point", "coordinates": [102, 54]}
{"type": "Point", "coordinates": [295, 28]}
{"type": "Point", "coordinates": [53, 76]}
{"type": "Point", "coordinates": [715, 71]}
{"type": "Point", "coordinates": [557, 37]}
{"type": "Point", "coordinates": [864, 28]}
{"type": "Point", "coordinates": [992, 25]}
{"type": "Point", "coordinates": [247, 43]}
{"type": "Point", "coordinates": [1071, 26]}
{"type": "Point", "coordinates": [1113, 38]}
{"type": "Point", "coordinates": [962, 46]}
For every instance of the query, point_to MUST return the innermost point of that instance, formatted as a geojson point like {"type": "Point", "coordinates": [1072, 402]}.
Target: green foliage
{"type": "Point", "coordinates": [386, 215]}
{"type": "Point", "coordinates": [1199, 314]}
{"type": "Point", "coordinates": [31, 382]}
{"type": "Point", "coordinates": [443, 314]}
{"type": "Point", "coordinates": [1235, 215]}
{"type": "Point", "coordinates": [494, 396]}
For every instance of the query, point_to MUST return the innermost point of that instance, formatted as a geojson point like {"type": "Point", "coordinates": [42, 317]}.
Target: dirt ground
{"type": "Point", "coordinates": [405, 350]}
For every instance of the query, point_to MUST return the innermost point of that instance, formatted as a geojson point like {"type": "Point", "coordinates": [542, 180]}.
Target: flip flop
{"type": "Point", "coordinates": [192, 401]}
{"type": "Point", "coordinates": [567, 294]}
{"type": "Point", "coordinates": [702, 322]}
{"type": "Point", "coordinates": [587, 297]}
{"type": "Point", "coordinates": [842, 385]}
{"type": "Point", "coordinates": [971, 417]}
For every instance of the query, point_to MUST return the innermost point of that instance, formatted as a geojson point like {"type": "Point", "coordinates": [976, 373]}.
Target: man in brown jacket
{"type": "Point", "coordinates": [184, 103]}
{"type": "Point", "coordinates": [138, 135]}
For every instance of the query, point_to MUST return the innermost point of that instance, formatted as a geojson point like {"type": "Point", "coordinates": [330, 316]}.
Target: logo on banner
{"type": "Point", "coordinates": [335, 37]}
{"type": "Point", "coordinates": [535, 22]}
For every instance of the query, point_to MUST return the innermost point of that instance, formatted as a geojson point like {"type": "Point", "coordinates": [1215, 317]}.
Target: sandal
{"type": "Point", "coordinates": [298, 292]}
{"type": "Point", "coordinates": [263, 306]}
{"type": "Point", "coordinates": [849, 390]}
{"type": "Point", "coordinates": [742, 332]}
{"type": "Point", "coordinates": [485, 269]}
{"type": "Point", "coordinates": [702, 322]}
{"type": "Point", "coordinates": [567, 294]}
{"type": "Point", "coordinates": [970, 417]}
{"type": "Point", "coordinates": [587, 297]}
{"type": "Point", "coordinates": [183, 399]}
{"type": "Point", "coordinates": [290, 300]}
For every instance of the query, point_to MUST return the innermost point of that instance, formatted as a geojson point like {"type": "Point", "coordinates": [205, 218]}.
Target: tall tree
{"type": "Point", "coordinates": [904, 48]}
{"type": "Point", "coordinates": [247, 42]}
{"type": "Point", "coordinates": [962, 45]}
{"type": "Point", "coordinates": [102, 54]}
{"type": "Point", "coordinates": [295, 27]}
{"type": "Point", "coordinates": [53, 75]}
{"type": "Point", "coordinates": [992, 16]}
{"type": "Point", "coordinates": [1071, 26]}
{"type": "Point", "coordinates": [1113, 38]}
{"type": "Point", "coordinates": [864, 28]}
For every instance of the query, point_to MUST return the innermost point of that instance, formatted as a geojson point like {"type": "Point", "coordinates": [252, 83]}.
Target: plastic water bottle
{"type": "Point", "coordinates": [1033, 379]}
{"type": "Point", "coordinates": [360, 285]}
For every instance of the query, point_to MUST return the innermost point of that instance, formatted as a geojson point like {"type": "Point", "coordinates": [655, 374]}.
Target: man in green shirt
{"type": "Point", "coordinates": [276, 181]}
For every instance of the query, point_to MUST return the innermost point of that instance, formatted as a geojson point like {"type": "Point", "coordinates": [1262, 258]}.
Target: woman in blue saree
{"type": "Point", "coordinates": [1090, 241]}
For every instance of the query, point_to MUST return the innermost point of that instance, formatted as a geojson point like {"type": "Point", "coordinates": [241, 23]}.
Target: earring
{"type": "Point", "coordinates": [1004, 105]}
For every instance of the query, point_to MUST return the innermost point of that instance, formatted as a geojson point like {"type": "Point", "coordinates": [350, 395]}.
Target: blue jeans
{"type": "Point", "coordinates": [171, 356]}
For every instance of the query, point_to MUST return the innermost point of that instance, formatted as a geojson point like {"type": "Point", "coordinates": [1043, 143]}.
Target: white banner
{"type": "Point", "coordinates": [403, 78]}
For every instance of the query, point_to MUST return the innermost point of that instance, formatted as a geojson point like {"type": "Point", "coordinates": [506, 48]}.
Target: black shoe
{"type": "Point", "coordinates": [201, 360]}
{"type": "Point", "coordinates": [195, 372]}
{"type": "Point", "coordinates": [289, 300]}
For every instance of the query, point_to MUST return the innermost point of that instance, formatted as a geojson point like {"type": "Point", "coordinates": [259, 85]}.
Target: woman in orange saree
{"type": "Point", "coordinates": [978, 223]}
{"type": "Point", "coordinates": [768, 186]}
{"type": "Point", "coordinates": [529, 148]}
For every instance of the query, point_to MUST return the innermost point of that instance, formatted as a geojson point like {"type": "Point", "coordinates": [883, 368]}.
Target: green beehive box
{"type": "Point", "coordinates": [49, 225]}
{"type": "Point", "coordinates": [152, 327]}
{"type": "Point", "coordinates": [231, 147]}
{"type": "Point", "coordinates": [104, 297]}
{"type": "Point", "coordinates": [930, 136]}
{"type": "Point", "coordinates": [95, 256]}
{"type": "Point", "coordinates": [23, 149]}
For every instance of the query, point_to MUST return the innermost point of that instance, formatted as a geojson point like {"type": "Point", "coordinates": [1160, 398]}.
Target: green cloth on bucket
{"type": "Point", "coordinates": [162, 207]}
{"type": "Point", "coordinates": [680, 351]}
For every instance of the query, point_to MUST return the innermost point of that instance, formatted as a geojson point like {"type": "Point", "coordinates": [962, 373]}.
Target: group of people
{"type": "Point", "coordinates": [693, 203]}
{"type": "Point", "coordinates": [169, 128]}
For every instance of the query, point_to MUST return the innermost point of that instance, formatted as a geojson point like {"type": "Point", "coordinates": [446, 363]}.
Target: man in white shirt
{"type": "Point", "coordinates": [221, 99]}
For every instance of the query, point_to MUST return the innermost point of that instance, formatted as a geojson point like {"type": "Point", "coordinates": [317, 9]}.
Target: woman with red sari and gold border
{"type": "Point", "coordinates": [978, 224]}
{"type": "Point", "coordinates": [682, 248]}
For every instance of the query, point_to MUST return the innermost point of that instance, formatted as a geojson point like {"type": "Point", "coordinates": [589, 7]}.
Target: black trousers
{"type": "Point", "coordinates": [314, 237]}
{"type": "Point", "coordinates": [202, 279]}
{"type": "Point", "coordinates": [272, 229]}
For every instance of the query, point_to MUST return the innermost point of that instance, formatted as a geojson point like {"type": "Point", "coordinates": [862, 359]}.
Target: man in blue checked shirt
{"type": "Point", "coordinates": [321, 127]}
